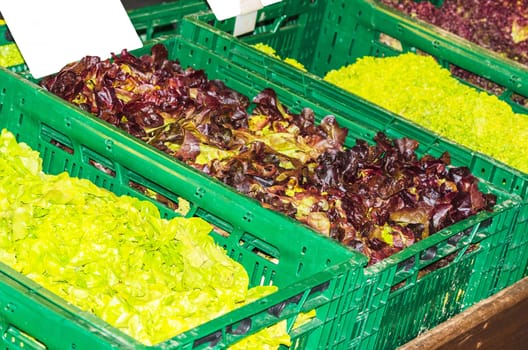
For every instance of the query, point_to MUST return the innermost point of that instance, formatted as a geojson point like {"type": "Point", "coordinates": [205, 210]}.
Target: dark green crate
{"type": "Point", "coordinates": [162, 19]}
{"type": "Point", "coordinates": [355, 319]}
{"type": "Point", "coordinates": [311, 271]}
{"type": "Point", "coordinates": [327, 34]}
{"type": "Point", "coordinates": [381, 278]}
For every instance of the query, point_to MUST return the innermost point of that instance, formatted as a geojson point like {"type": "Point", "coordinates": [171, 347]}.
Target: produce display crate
{"type": "Point", "coordinates": [312, 271]}
{"type": "Point", "coordinates": [162, 19]}
{"type": "Point", "coordinates": [327, 34]}
{"type": "Point", "coordinates": [400, 285]}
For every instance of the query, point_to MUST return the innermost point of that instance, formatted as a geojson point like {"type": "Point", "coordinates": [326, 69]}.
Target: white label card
{"type": "Point", "coordinates": [53, 33]}
{"type": "Point", "coordinates": [224, 9]}
{"type": "Point", "coordinates": [245, 23]}
{"type": "Point", "coordinates": [269, 2]}
{"type": "Point", "coordinates": [245, 12]}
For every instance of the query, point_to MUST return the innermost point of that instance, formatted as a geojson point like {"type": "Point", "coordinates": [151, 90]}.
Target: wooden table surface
{"type": "Point", "coordinates": [499, 323]}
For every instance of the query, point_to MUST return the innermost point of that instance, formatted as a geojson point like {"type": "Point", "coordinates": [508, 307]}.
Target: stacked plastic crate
{"type": "Point", "coordinates": [67, 141]}
{"type": "Point", "coordinates": [379, 306]}
{"type": "Point", "coordinates": [312, 273]}
{"type": "Point", "coordinates": [326, 35]}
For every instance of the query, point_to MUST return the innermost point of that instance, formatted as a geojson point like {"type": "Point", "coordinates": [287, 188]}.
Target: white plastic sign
{"type": "Point", "coordinates": [269, 2]}
{"type": "Point", "coordinates": [245, 12]}
{"type": "Point", "coordinates": [53, 33]}
{"type": "Point", "coordinates": [245, 23]}
{"type": "Point", "coordinates": [224, 9]}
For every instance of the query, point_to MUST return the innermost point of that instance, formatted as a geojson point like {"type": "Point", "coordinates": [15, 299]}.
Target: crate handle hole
{"type": "Point", "coordinates": [429, 254]}
{"type": "Point", "coordinates": [391, 42]}
{"type": "Point", "coordinates": [211, 339]}
{"type": "Point", "coordinates": [101, 167]}
{"type": "Point", "coordinates": [259, 248]}
{"type": "Point", "coordinates": [407, 264]}
{"type": "Point", "coordinates": [158, 197]}
{"type": "Point", "coordinates": [220, 226]}
{"type": "Point", "coordinates": [486, 223]}
{"type": "Point", "coordinates": [269, 257]}
{"type": "Point", "coordinates": [320, 288]}
{"type": "Point", "coordinates": [276, 310]}
{"type": "Point", "coordinates": [243, 327]}
{"type": "Point", "coordinates": [62, 146]}
{"type": "Point", "coordinates": [453, 240]}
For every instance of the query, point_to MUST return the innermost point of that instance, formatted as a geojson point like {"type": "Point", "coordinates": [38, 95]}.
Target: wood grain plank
{"type": "Point", "coordinates": [499, 322]}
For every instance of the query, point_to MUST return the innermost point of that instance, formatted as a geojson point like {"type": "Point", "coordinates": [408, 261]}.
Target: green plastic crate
{"type": "Point", "coordinates": [356, 318]}
{"type": "Point", "coordinates": [162, 19]}
{"type": "Point", "coordinates": [326, 34]}
{"type": "Point", "coordinates": [477, 271]}
{"type": "Point", "coordinates": [379, 280]}
{"type": "Point", "coordinates": [312, 272]}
